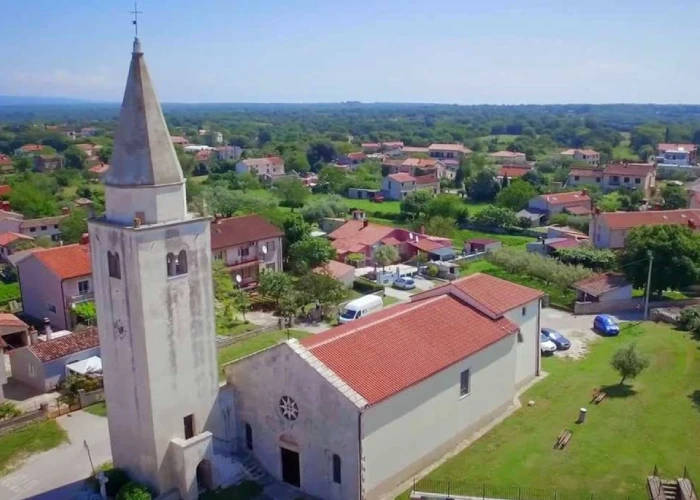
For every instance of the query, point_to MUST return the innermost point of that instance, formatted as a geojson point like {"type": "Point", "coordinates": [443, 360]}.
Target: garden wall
{"type": "Point", "coordinates": [635, 304]}
{"type": "Point", "coordinates": [22, 420]}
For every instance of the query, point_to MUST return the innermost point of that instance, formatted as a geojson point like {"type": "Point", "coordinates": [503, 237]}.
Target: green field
{"type": "Point", "coordinates": [503, 140]}
{"type": "Point", "coordinates": [253, 345]}
{"type": "Point", "coordinates": [8, 292]}
{"type": "Point", "coordinates": [508, 240]}
{"type": "Point", "coordinates": [388, 206]}
{"type": "Point", "coordinates": [99, 409]}
{"type": "Point", "coordinates": [34, 438]}
{"type": "Point", "coordinates": [623, 151]}
{"type": "Point", "coordinates": [653, 420]}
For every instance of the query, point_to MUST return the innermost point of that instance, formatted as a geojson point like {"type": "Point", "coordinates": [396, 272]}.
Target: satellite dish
{"type": "Point", "coordinates": [416, 239]}
{"type": "Point", "coordinates": [238, 279]}
{"type": "Point", "coordinates": [410, 236]}
{"type": "Point", "coordinates": [264, 249]}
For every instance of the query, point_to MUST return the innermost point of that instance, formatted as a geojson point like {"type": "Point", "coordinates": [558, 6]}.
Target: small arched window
{"type": "Point", "coordinates": [248, 437]}
{"type": "Point", "coordinates": [171, 263]}
{"type": "Point", "coordinates": [182, 262]}
{"type": "Point", "coordinates": [336, 469]}
{"type": "Point", "coordinates": [113, 265]}
{"type": "Point", "coordinates": [176, 264]}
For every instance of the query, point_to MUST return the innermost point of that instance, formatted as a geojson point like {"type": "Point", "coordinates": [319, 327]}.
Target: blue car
{"type": "Point", "coordinates": [559, 340]}
{"type": "Point", "coordinates": [606, 324]}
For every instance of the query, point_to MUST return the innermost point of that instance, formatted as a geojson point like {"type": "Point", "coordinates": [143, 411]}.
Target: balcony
{"type": "Point", "coordinates": [79, 299]}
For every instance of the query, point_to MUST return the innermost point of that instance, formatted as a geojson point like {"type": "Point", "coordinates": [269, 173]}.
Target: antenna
{"type": "Point", "coordinates": [136, 13]}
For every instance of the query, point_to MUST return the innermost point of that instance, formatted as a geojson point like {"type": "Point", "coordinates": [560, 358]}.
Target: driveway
{"type": "Point", "coordinates": [422, 285]}
{"type": "Point", "coordinates": [578, 329]}
{"type": "Point", "coordinates": [58, 474]}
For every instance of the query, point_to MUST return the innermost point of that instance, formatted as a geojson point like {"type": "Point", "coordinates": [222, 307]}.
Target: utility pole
{"type": "Point", "coordinates": [646, 298]}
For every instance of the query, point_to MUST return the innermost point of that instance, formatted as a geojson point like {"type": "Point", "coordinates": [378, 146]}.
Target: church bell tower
{"type": "Point", "coordinates": [151, 265]}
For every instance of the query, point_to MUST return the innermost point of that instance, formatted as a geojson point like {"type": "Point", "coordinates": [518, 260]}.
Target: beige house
{"type": "Point", "coordinates": [342, 272]}
{"type": "Point", "coordinates": [507, 157]}
{"type": "Point", "coordinates": [269, 166]}
{"type": "Point", "coordinates": [448, 151]}
{"type": "Point", "coordinates": [581, 177]}
{"type": "Point", "coordinates": [577, 202]}
{"type": "Point", "coordinates": [330, 414]}
{"type": "Point", "coordinates": [637, 176]}
{"type": "Point", "coordinates": [53, 280]}
{"type": "Point", "coordinates": [13, 222]}
{"type": "Point", "coordinates": [398, 186]}
{"type": "Point", "coordinates": [247, 245]}
{"type": "Point", "coordinates": [589, 156]}
{"type": "Point", "coordinates": [610, 229]}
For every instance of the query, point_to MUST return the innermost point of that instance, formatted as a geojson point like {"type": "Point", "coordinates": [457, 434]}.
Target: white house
{"type": "Point", "coordinates": [352, 412]}
{"type": "Point", "coordinates": [398, 186]}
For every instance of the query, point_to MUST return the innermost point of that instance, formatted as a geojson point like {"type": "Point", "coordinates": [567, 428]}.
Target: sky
{"type": "Point", "coordinates": [450, 51]}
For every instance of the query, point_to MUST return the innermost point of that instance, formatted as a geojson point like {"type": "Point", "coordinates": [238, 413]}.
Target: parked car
{"type": "Point", "coordinates": [405, 283]}
{"type": "Point", "coordinates": [559, 340]}
{"type": "Point", "coordinates": [359, 308]}
{"type": "Point", "coordinates": [606, 324]}
{"type": "Point", "coordinates": [546, 345]}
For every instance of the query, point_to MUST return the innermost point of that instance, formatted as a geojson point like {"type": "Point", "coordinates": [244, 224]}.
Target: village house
{"type": "Point", "coordinates": [677, 155]}
{"type": "Point", "coordinates": [43, 365]}
{"type": "Point", "coordinates": [340, 271]}
{"type": "Point", "coordinates": [584, 177]}
{"type": "Point", "coordinates": [11, 242]}
{"type": "Point", "coordinates": [370, 147]}
{"type": "Point", "coordinates": [179, 140]}
{"type": "Point", "coordinates": [589, 156]}
{"type": "Point", "coordinates": [54, 280]}
{"type": "Point", "coordinates": [610, 229]}
{"type": "Point", "coordinates": [14, 332]}
{"type": "Point", "coordinates": [98, 170]}
{"type": "Point", "coordinates": [331, 414]}
{"type": "Point", "coordinates": [398, 186]}
{"type": "Point", "coordinates": [603, 287]}
{"type": "Point", "coordinates": [448, 151]}
{"type": "Point", "coordinates": [512, 171]}
{"type": "Point", "coordinates": [507, 157]}
{"type": "Point", "coordinates": [89, 149]}
{"type": "Point", "coordinates": [575, 202]}
{"type": "Point", "coordinates": [228, 152]}
{"type": "Point", "coordinates": [429, 182]}
{"type": "Point", "coordinates": [415, 150]}
{"type": "Point", "coordinates": [637, 176]}
{"type": "Point", "coordinates": [6, 164]}
{"type": "Point", "coordinates": [247, 245]}
{"type": "Point", "coordinates": [88, 131]}
{"type": "Point", "coordinates": [13, 222]}
{"type": "Point", "coordinates": [29, 149]}
{"type": "Point", "coordinates": [48, 163]}
{"type": "Point", "coordinates": [352, 159]}
{"type": "Point", "coordinates": [272, 166]}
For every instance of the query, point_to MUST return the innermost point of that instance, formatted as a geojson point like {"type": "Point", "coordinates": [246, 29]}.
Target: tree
{"type": "Point", "coordinates": [22, 164]}
{"type": "Point", "coordinates": [516, 195]}
{"type": "Point", "coordinates": [628, 362]}
{"type": "Point", "coordinates": [309, 253]}
{"type": "Point", "coordinates": [74, 226]}
{"type": "Point", "coordinates": [321, 152]}
{"type": "Point", "coordinates": [674, 196]}
{"type": "Point", "coordinates": [416, 202]}
{"type": "Point", "coordinates": [440, 226]}
{"type": "Point", "coordinates": [32, 202]}
{"type": "Point", "coordinates": [447, 205]}
{"type": "Point", "coordinates": [274, 285]}
{"type": "Point", "coordinates": [676, 252]}
{"type": "Point", "coordinates": [493, 216]}
{"type": "Point", "coordinates": [223, 284]}
{"type": "Point", "coordinates": [611, 202]}
{"type": "Point", "coordinates": [297, 161]}
{"type": "Point", "coordinates": [386, 255]}
{"type": "Point", "coordinates": [105, 154]}
{"type": "Point", "coordinates": [484, 186]}
{"type": "Point", "coordinates": [320, 208]}
{"type": "Point", "coordinates": [322, 287]}
{"type": "Point", "coordinates": [295, 229]}
{"type": "Point", "coordinates": [241, 301]}
{"type": "Point", "coordinates": [86, 311]}
{"type": "Point", "coordinates": [74, 158]}
{"type": "Point", "coordinates": [134, 491]}
{"type": "Point", "coordinates": [292, 192]}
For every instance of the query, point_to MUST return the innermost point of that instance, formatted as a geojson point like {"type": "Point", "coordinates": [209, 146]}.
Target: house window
{"type": "Point", "coordinates": [627, 179]}
{"type": "Point", "coordinates": [55, 226]}
{"type": "Point", "coordinates": [113, 266]}
{"type": "Point", "coordinates": [615, 178]}
{"type": "Point", "coordinates": [176, 265]}
{"type": "Point", "coordinates": [32, 371]}
{"type": "Point", "coordinates": [464, 383]}
{"type": "Point", "coordinates": [336, 469]}
{"type": "Point", "coordinates": [524, 311]}
{"type": "Point", "coordinates": [271, 246]}
{"type": "Point", "coordinates": [83, 287]}
{"type": "Point", "coordinates": [55, 237]}
{"type": "Point", "coordinates": [521, 339]}
{"type": "Point", "coordinates": [189, 426]}
{"type": "Point", "coordinates": [32, 230]}
{"type": "Point", "coordinates": [597, 179]}
{"type": "Point", "coordinates": [245, 252]}
{"type": "Point", "coordinates": [637, 180]}
{"type": "Point", "coordinates": [576, 177]}
{"type": "Point", "coordinates": [52, 308]}
{"type": "Point", "coordinates": [248, 437]}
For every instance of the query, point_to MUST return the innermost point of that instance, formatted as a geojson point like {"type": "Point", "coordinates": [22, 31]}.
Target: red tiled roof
{"type": "Point", "coordinates": [393, 144]}
{"type": "Point", "coordinates": [371, 145]}
{"type": "Point", "coordinates": [415, 149]}
{"type": "Point", "coordinates": [99, 169]}
{"type": "Point", "coordinates": [66, 262]}
{"type": "Point", "coordinates": [357, 156]}
{"type": "Point", "coordinates": [390, 241]}
{"type": "Point", "coordinates": [401, 177]}
{"type": "Point", "coordinates": [449, 147]}
{"type": "Point", "coordinates": [5, 160]}
{"type": "Point", "coordinates": [514, 170]}
{"type": "Point", "coordinates": [5, 189]}
{"type": "Point", "coordinates": [506, 154]}
{"type": "Point", "coordinates": [626, 220]}
{"type": "Point", "coordinates": [336, 269]}
{"type": "Point", "coordinates": [176, 139]}
{"type": "Point", "coordinates": [261, 162]}
{"type": "Point", "coordinates": [203, 155]}
{"type": "Point", "coordinates": [28, 148]}
{"type": "Point", "coordinates": [353, 233]}
{"type": "Point", "coordinates": [635, 170]}
{"type": "Point", "coordinates": [578, 210]}
{"type": "Point", "coordinates": [565, 243]}
{"type": "Point", "coordinates": [427, 179]}
{"type": "Point", "coordinates": [66, 345]}
{"type": "Point", "coordinates": [238, 230]}
{"type": "Point", "coordinates": [585, 172]}
{"type": "Point", "coordinates": [598, 284]}
{"type": "Point", "coordinates": [676, 147]}
{"type": "Point", "coordinates": [425, 244]}
{"type": "Point", "coordinates": [564, 198]}
{"type": "Point", "coordinates": [392, 350]}
{"type": "Point", "coordinates": [9, 237]}
{"type": "Point", "coordinates": [7, 319]}
{"type": "Point", "coordinates": [420, 162]}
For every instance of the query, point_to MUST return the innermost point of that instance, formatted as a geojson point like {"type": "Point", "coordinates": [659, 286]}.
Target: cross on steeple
{"type": "Point", "coordinates": [136, 13]}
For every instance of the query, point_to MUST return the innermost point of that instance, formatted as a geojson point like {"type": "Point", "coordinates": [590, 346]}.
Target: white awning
{"type": "Point", "coordinates": [87, 366]}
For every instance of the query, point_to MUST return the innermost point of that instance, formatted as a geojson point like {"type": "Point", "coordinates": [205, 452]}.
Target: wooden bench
{"type": "Point", "coordinates": [563, 439]}
{"type": "Point", "coordinates": [598, 396]}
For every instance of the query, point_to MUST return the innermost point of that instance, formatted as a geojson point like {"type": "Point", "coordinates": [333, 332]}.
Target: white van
{"type": "Point", "coordinates": [359, 308]}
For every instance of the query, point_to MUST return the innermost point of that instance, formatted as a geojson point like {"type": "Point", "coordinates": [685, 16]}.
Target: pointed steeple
{"type": "Point", "coordinates": [143, 152]}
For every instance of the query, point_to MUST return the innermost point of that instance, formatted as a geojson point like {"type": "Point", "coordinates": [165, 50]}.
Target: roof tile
{"type": "Point", "coordinates": [66, 345]}
{"type": "Point", "coordinates": [238, 230]}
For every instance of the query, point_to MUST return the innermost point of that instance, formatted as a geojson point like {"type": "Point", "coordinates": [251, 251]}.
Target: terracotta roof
{"type": "Point", "coordinates": [565, 243]}
{"type": "Point", "coordinates": [262, 162]}
{"type": "Point", "coordinates": [626, 220]}
{"type": "Point", "coordinates": [586, 172]}
{"type": "Point", "coordinates": [392, 350]}
{"type": "Point", "coordinates": [65, 346]}
{"type": "Point", "coordinates": [99, 169]}
{"type": "Point", "coordinates": [66, 262]}
{"type": "Point", "coordinates": [401, 177]}
{"type": "Point", "coordinates": [203, 155]}
{"type": "Point", "coordinates": [564, 198]}
{"type": "Point", "coordinates": [415, 149]}
{"type": "Point", "coordinates": [5, 160]}
{"type": "Point", "coordinates": [9, 237]}
{"type": "Point", "coordinates": [43, 221]}
{"type": "Point", "coordinates": [393, 144]}
{"type": "Point", "coordinates": [506, 154]}
{"type": "Point", "coordinates": [336, 269]}
{"type": "Point", "coordinates": [578, 210]}
{"type": "Point", "coordinates": [449, 147]}
{"type": "Point", "coordinates": [238, 230]}
{"type": "Point", "coordinates": [28, 148]}
{"type": "Point", "coordinates": [420, 162]}
{"type": "Point", "coordinates": [636, 170]}
{"type": "Point", "coordinates": [427, 179]}
{"type": "Point", "coordinates": [7, 319]}
{"type": "Point", "coordinates": [514, 170]}
{"type": "Point", "coordinates": [390, 241]}
{"type": "Point", "coordinates": [357, 156]}
{"type": "Point", "coordinates": [354, 235]}
{"type": "Point", "coordinates": [5, 189]}
{"type": "Point", "coordinates": [371, 145]}
{"type": "Point", "coordinates": [676, 147]}
{"type": "Point", "coordinates": [425, 245]}
{"type": "Point", "coordinates": [176, 139]}
{"type": "Point", "coordinates": [599, 284]}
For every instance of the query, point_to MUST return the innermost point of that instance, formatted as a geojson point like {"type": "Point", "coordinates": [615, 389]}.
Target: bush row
{"type": "Point", "coordinates": [365, 286]}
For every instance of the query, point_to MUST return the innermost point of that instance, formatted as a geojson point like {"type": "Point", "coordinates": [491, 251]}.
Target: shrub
{"type": "Point", "coordinates": [588, 256]}
{"type": "Point", "coordinates": [363, 285]}
{"type": "Point", "coordinates": [9, 410]}
{"type": "Point", "coordinates": [433, 270]}
{"type": "Point", "coordinates": [116, 480]}
{"type": "Point", "coordinates": [134, 491]}
{"type": "Point", "coordinates": [493, 216]}
{"type": "Point", "coordinates": [689, 319]}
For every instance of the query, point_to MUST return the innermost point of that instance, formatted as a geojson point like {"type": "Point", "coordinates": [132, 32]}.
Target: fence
{"type": "Point", "coordinates": [222, 342]}
{"type": "Point", "coordinates": [430, 488]}
{"type": "Point", "coordinates": [15, 423]}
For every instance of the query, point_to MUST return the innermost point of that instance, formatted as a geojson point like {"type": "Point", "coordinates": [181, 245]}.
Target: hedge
{"type": "Point", "coordinates": [365, 286]}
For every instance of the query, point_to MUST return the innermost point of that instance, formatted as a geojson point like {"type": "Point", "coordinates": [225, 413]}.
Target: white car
{"type": "Point", "coordinates": [546, 345]}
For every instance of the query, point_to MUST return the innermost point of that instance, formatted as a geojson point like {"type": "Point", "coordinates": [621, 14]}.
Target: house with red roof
{"type": "Point", "coordinates": [29, 149]}
{"type": "Point", "coordinates": [436, 369]}
{"type": "Point", "coordinates": [577, 202]}
{"type": "Point", "coordinates": [53, 280]}
{"type": "Point", "coordinates": [677, 155]}
{"type": "Point", "coordinates": [603, 287]}
{"type": "Point", "coordinates": [340, 271]}
{"type": "Point", "coordinates": [582, 177]}
{"type": "Point", "coordinates": [610, 229]}
{"type": "Point", "coordinates": [271, 166]}
{"type": "Point", "coordinates": [398, 186]}
{"type": "Point", "coordinates": [448, 151]}
{"type": "Point", "coordinates": [44, 365]}
{"type": "Point", "coordinates": [10, 242]}
{"type": "Point", "coordinates": [512, 171]}
{"type": "Point", "coordinates": [370, 147]}
{"type": "Point", "coordinates": [590, 156]}
{"type": "Point", "coordinates": [509, 157]}
{"type": "Point", "coordinates": [635, 176]}
{"type": "Point", "coordinates": [6, 163]}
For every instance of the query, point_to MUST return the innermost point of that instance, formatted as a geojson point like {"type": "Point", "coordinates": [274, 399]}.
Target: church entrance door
{"type": "Point", "coordinates": [290, 467]}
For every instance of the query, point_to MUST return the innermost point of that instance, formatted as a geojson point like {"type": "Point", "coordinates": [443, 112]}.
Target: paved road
{"type": "Point", "coordinates": [57, 474]}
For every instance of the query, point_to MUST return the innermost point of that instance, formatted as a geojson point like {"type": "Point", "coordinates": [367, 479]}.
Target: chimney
{"type": "Point", "coordinates": [33, 336]}
{"type": "Point", "coordinates": [6, 206]}
{"type": "Point", "coordinates": [691, 224]}
{"type": "Point", "coordinates": [422, 229]}
{"type": "Point", "coordinates": [85, 239]}
{"type": "Point", "coordinates": [365, 223]}
{"type": "Point", "coordinates": [584, 192]}
{"type": "Point", "coordinates": [217, 218]}
{"type": "Point", "coordinates": [47, 328]}
{"type": "Point", "coordinates": [597, 211]}
{"type": "Point", "coordinates": [65, 210]}
{"type": "Point", "coordinates": [137, 222]}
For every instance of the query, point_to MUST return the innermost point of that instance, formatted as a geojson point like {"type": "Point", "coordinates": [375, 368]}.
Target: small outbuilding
{"type": "Point", "coordinates": [342, 272]}
{"type": "Point", "coordinates": [13, 331]}
{"type": "Point", "coordinates": [604, 287]}
{"type": "Point", "coordinates": [480, 245]}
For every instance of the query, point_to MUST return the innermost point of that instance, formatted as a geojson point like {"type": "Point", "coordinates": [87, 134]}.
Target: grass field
{"type": "Point", "coordinates": [508, 240]}
{"type": "Point", "coordinates": [648, 422]}
{"type": "Point", "coordinates": [34, 438]}
{"type": "Point", "coordinates": [255, 344]}
{"type": "Point", "coordinates": [623, 151]}
{"type": "Point", "coordinates": [503, 140]}
{"type": "Point", "coordinates": [8, 292]}
{"type": "Point", "coordinates": [99, 409]}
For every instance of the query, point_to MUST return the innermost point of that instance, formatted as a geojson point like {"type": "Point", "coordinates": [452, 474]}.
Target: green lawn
{"type": "Point", "coordinates": [623, 151]}
{"type": "Point", "coordinates": [34, 438]}
{"type": "Point", "coordinates": [508, 240]}
{"type": "Point", "coordinates": [388, 206]}
{"type": "Point", "coordinates": [655, 420]}
{"type": "Point", "coordinates": [255, 344]}
{"type": "Point", "coordinates": [504, 140]}
{"type": "Point", "coordinates": [99, 409]}
{"type": "Point", "coordinates": [389, 300]}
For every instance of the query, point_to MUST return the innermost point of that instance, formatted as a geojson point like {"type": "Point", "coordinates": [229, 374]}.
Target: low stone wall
{"type": "Point", "coordinates": [625, 305]}
{"type": "Point", "coordinates": [90, 398]}
{"type": "Point", "coordinates": [15, 423]}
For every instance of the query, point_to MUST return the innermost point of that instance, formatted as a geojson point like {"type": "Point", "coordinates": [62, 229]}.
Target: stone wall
{"type": "Point", "coordinates": [635, 304]}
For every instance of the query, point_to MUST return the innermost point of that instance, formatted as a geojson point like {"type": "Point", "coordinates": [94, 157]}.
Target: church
{"type": "Point", "coordinates": [347, 414]}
